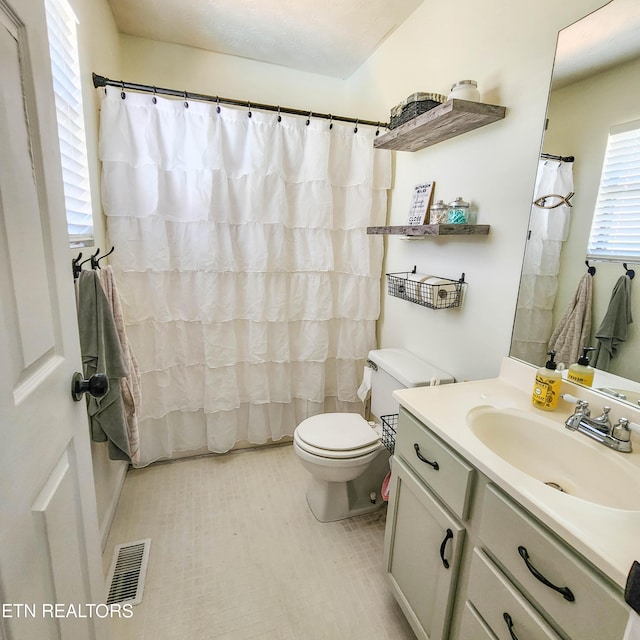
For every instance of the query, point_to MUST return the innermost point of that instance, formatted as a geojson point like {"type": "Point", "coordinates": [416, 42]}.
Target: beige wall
{"type": "Point", "coordinates": [99, 48]}
{"type": "Point", "coordinates": [508, 47]}
{"type": "Point", "coordinates": [580, 116]}
{"type": "Point", "coordinates": [178, 67]}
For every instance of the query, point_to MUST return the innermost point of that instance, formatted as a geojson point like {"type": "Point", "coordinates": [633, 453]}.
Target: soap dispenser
{"type": "Point", "coordinates": [546, 390]}
{"type": "Point", "coordinates": [581, 372]}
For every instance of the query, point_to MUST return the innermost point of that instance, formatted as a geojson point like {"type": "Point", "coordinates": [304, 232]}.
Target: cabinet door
{"type": "Point", "coordinates": [423, 543]}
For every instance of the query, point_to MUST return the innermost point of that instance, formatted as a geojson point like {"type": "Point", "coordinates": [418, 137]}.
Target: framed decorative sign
{"type": "Point", "coordinates": [422, 196]}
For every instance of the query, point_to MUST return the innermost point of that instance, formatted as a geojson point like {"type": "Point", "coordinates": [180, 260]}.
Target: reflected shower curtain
{"type": "Point", "coordinates": [249, 284]}
{"type": "Point", "coordinates": [548, 229]}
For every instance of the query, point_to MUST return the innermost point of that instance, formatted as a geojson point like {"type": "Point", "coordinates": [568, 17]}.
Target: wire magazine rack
{"type": "Point", "coordinates": [444, 294]}
{"type": "Point", "coordinates": [389, 427]}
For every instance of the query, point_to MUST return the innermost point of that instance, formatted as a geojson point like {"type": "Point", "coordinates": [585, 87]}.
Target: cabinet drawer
{"type": "Point", "coordinates": [446, 473]}
{"type": "Point", "coordinates": [588, 608]}
{"type": "Point", "coordinates": [500, 605]}
{"type": "Point", "coordinates": [473, 627]}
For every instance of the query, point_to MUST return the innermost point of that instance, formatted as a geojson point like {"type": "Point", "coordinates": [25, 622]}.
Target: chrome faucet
{"type": "Point", "coordinates": [617, 437]}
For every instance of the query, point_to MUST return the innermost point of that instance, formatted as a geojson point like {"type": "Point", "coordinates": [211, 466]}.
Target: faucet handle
{"type": "Point", "coordinates": [621, 430]}
{"type": "Point", "coordinates": [582, 407]}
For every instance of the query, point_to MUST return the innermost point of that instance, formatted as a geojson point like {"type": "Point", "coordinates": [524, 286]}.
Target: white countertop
{"type": "Point", "coordinates": [609, 538]}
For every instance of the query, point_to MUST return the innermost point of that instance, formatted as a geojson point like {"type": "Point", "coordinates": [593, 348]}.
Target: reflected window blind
{"type": "Point", "coordinates": [615, 231]}
{"type": "Point", "coordinates": [63, 49]}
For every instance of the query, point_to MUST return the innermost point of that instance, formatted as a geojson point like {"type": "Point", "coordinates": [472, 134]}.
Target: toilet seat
{"type": "Point", "coordinates": [337, 435]}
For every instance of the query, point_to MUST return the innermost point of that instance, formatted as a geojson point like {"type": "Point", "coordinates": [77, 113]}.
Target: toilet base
{"type": "Point", "coordinates": [331, 501]}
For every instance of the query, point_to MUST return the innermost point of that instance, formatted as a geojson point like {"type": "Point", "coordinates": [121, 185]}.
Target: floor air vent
{"type": "Point", "coordinates": [127, 573]}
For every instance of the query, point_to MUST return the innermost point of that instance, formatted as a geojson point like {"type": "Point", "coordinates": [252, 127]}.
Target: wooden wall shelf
{"type": "Point", "coordinates": [445, 121]}
{"type": "Point", "coordinates": [432, 230]}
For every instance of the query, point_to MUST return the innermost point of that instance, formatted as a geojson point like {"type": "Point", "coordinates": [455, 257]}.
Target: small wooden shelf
{"type": "Point", "coordinates": [445, 121]}
{"type": "Point", "coordinates": [432, 230]}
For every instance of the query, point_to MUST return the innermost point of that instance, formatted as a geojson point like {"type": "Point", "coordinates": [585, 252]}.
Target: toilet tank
{"type": "Point", "coordinates": [398, 369]}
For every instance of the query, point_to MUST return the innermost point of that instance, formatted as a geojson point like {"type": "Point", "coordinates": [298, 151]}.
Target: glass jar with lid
{"type": "Point", "coordinates": [465, 90]}
{"type": "Point", "coordinates": [439, 213]}
{"type": "Point", "coordinates": [458, 212]}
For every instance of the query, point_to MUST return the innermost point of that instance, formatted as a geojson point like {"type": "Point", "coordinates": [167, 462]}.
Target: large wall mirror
{"type": "Point", "coordinates": [595, 87]}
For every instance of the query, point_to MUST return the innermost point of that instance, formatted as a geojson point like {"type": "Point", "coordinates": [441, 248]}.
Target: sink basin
{"type": "Point", "coordinates": [561, 459]}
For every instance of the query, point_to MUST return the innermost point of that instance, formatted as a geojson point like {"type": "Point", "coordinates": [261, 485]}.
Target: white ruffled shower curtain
{"type": "Point", "coordinates": [548, 229]}
{"type": "Point", "coordinates": [250, 287]}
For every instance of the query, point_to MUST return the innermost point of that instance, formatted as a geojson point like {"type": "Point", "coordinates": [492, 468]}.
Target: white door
{"type": "Point", "coordinates": [49, 544]}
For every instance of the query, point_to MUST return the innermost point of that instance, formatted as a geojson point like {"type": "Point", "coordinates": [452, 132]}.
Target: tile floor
{"type": "Point", "coordinates": [236, 554]}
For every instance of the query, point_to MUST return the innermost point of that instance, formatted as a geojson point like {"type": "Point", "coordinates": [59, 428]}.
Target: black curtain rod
{"type": "Point", "coordinates": [549, 156]}
{"type": "Point", "coordinates": [101, 81]}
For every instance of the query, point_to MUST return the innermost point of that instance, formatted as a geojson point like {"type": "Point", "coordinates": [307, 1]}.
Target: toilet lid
{"type": "Point", "coordinates": [337, 432]}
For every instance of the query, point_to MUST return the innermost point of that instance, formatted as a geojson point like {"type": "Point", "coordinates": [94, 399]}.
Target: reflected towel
{"type": "Point", "coordinates": [613, 330]}
{"type": "Point", "coordinates": [573, 331]}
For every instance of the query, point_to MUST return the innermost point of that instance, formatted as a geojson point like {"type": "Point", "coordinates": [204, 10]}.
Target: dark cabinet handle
{"type": "Point", "coordinates": [433, 464]}
{"type": "Point", "coordinates": [509, 621]}
{"type": "Point", "coordinates": [565, 592]}
{"type": "Point", "coordinates": [447, 537]}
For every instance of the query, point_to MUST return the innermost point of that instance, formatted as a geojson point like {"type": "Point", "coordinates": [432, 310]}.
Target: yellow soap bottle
{"type": "Point", "coordinates": [546, 390]}
{"type": "Point", "coordinates": [581, 372]}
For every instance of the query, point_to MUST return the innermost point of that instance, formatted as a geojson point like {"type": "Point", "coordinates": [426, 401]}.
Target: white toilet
{"type": "Point", "coordinates": [344, 453]}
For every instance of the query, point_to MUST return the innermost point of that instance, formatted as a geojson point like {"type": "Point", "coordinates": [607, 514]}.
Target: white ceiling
{"type": "Point", "coordinates": [330, 37]}
{"type": "Point", "coordinates": [605, 38]}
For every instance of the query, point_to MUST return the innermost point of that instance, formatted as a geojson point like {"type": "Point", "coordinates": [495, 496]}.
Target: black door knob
{"type": "Point", "coordinates": [97, 385]}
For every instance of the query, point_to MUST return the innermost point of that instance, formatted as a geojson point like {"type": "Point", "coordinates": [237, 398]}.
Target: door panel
{"type": "Point", "coordinates": [49, 542]}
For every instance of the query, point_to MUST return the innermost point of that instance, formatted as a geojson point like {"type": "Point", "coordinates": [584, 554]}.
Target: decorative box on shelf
{"type": "Point", "coordinates": [433, 292]}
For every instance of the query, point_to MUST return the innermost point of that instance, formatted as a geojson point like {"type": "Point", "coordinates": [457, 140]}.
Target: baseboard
{"type": "Point", "coordinates": [110, 512]}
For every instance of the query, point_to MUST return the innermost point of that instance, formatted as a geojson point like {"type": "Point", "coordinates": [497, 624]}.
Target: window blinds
{"type": "Point", "coordinates": [615, 231]}
{"type": "Point", "coordinates": [63, 48]}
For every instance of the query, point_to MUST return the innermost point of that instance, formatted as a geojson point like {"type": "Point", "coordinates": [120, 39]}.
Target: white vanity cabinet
{"type": "Point", "coordinates": [509, 577]}
{"type": "Point", "coordinates": [580, 602]}
{"type": "Point", "coordinates": [424, 539]}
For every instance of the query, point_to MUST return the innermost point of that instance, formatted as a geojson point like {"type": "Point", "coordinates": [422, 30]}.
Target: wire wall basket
{"type": "Point", "coordinates": [437, 293]}
{"type": "Point", "coordinates": [389, 426]}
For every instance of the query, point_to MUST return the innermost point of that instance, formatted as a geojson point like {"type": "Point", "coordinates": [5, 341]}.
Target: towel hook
{"type": "Point", "coordinates": [75, 266]}
{"type": "Point", "coordinates": [95, 263]}
{"type": "Point", "coordinates": [590, 270]}
{"type": "Point", "coordinates": [630, 272]}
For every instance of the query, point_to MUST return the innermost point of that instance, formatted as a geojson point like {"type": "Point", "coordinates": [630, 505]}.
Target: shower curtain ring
{"type": "Point", "coordinates": [309, 118]}
{"type": "Point", "coordinates": [217, 104]}
{"type": "Point", "coordinates": [154, 99]}
{"type": "Point", "coordinates": [249, 105]}
{"type": "Point", "coordinates": [378, 128]}
{"type": "Point", "coordinates": [355, 130]}
{"type": "Point", "coordinates": [330, 122]}
{"type": "Point", "coordinates": [279, 116]}
{"type": "Point", "coordinates": [123, 95]}
{"type": "Point", "coordinates": [186, 104]}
